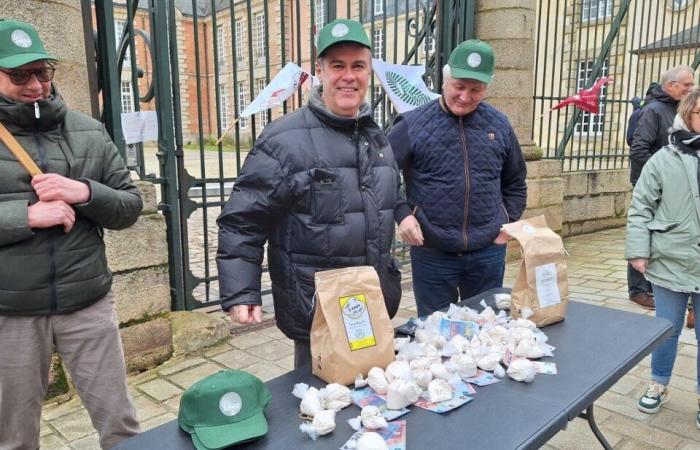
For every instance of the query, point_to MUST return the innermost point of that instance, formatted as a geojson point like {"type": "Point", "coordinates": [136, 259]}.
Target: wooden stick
{"type": "Point", "coordinates": [19, 152]}
{"type": "Point", "coordinates": [228, 130]}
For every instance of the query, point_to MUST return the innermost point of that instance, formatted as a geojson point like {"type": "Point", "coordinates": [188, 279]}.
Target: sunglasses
{"type": "Point", "coordinates": [22, 76]}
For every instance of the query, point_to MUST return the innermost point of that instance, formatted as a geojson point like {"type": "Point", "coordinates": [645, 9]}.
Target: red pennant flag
{"type": "Point", "coordinates": [586, 99]}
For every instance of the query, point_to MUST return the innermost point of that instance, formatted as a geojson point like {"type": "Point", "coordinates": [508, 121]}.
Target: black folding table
{"type": "Point", "coordinates": [595, 347]}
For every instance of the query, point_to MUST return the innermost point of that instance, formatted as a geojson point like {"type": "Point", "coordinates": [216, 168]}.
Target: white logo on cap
{"type": "Point", "coordinates": [21, 39]}
{"type": "Point", "coordinates": [529, 229]}
{"type": "Point", "coordinates": [474, 60]}
{"type": "Point", "coordinates": [230, 404]}
{"type": "Point", "coordinates": [340, 30]}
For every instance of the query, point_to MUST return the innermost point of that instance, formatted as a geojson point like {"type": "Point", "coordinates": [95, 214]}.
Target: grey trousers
{"type": "Point", "coordinates": [89, 344]}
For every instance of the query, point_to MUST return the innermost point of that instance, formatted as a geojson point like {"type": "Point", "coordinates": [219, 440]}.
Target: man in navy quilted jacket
{"type": "Point", "coordinates": [465, 177]}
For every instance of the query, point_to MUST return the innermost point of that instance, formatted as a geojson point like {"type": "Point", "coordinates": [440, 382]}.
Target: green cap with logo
{"type": "Point", "coordinates": [224, 409]}
{"type": "Point", "coordinates": [472, 59]}
{"type": "Point", "coordinates": [20, 44]}
{"type": "Point", "coordinates": [341, 30]}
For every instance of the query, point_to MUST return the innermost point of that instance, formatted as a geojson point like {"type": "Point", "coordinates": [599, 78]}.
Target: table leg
{"type": "Point", "coordinates": [588, 415]}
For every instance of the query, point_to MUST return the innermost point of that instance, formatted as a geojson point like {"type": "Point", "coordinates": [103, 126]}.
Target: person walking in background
{"type": "Point", "coordinates": [465, 177]}
{"type": "Point", "coordinates": [663, 239]}
{"type": "Point", "coordinates": [55, 286]}
{"type": "Point", "coordinates": [650, 134]}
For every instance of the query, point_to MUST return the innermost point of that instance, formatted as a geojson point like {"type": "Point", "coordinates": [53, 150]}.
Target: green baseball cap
{"type": "Point", "coordinates": [224, 409]}
{"type": "Point", "coordinates": [341, 30]}
{"type": "Point", "coordinates": [472, 59]}
{"type": "Point", "coordinates": [20, 44]}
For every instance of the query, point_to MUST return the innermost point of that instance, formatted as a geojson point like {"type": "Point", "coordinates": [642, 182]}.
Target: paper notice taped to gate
{"type": "Point", "coordinates": [140, 126]}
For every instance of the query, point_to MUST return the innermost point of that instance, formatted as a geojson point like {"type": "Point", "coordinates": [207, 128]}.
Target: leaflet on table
{"type": "Point", "coordinates": [366, 397]}
{"type": "Point", "coordinates": [450, 328]}
{"type": "Point", "coordinates": [549, 368]}
{"type": "Point", "coordinates": [459, 397]}
{"type": "Point", "coordinates": [394, 435]}
{"type": "Point", "coordinates": [482, 378]}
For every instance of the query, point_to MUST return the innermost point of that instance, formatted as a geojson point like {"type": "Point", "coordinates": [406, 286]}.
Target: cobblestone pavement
{"type": "Point", "coordinates": [596, 275]}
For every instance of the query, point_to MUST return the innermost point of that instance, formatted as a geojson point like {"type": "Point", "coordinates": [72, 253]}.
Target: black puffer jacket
{"type": "Point", "coordinates": [322, 190]}
{"type": "Point", "coordinates": [45, 270]}
{"type": "Point", "coordinates": [651, 132]}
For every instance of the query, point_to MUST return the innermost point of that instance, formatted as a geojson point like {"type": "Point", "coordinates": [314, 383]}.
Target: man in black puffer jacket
{"type": "Point", "coordinates": [465, 178]}
{"type": "Point", "coordinates": [55, 286]}
{"type": "Point", "coordinates": [320, 186]}
{"type": "Point", "coordinates": [651, 134]}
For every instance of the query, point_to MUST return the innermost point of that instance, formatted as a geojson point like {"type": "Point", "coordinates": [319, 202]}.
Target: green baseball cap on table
{"type": "Point", "coordinates": [472, 59]}
{"type": "Point", "coordinates": [20, 44]}
{"type": "Point", "coordinates": [224, 409]}
{"type": "Point", "coordinates": [341, 30]}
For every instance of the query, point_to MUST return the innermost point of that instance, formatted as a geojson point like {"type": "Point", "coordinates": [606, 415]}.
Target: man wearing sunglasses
{"type": "Point", "coordinates": [55, 286]}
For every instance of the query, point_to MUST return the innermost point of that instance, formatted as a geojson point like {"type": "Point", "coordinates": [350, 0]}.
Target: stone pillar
{"type": "Point", "coordinates": [60, 25]}
{"type": "Point", "coordinates": [138, 258]}
{"type": "Point", "coordinates": [509, 27]}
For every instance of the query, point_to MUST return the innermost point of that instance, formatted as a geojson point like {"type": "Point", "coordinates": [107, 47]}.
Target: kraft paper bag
{"type": "Point", "coordinates": [351, 331]}
{"type": "Point", "coordinates": [541, 290]}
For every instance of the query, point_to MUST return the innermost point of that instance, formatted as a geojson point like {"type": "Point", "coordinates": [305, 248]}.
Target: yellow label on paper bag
{"type": "Point", "coordinates": [358, 325]}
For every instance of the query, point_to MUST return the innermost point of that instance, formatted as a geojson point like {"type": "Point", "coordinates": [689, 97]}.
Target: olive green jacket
{"type": "Point", "coordinates": [663, 222]}
{"type": "Point", "coordinates": [46, 271]}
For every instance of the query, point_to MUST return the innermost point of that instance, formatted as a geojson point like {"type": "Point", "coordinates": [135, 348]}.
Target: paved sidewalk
{"type": "Point", "coordinates": [597, 275]}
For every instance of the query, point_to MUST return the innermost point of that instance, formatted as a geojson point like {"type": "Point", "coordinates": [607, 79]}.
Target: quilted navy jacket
{"type": "Point", "coordinates": [465, 176]}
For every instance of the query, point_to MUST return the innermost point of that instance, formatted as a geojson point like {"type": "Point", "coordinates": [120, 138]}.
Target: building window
{"type": "Point", "coordinates": [242, 103]}
{"type": "Point", "coordinates": [596, 9]}
{"type": "Point", "coordinates": [220, 53]}
{"type": "Point", "coordinates": [430, 42]}
{"type": "Point", "coordinates": [591, 123]}
{"type": "Point", "coordinates": [127, 97]}
{"type": "Point", "coordinates": [119, 27]}
{"type": "Point", "coordinates": [240, 41]}
{"type": "Point", "coordinates": [379, 109]}
{"type": "Point", "coordinates": [378, 7]}
{"type": "Point", "coordinates": [262, 116]}
{"type": "Point", "coordinates": [260, 38]}
{"type": "Point", "coordinates": [378, 43]}
{"type": "Point", "coordinates": [320, 17]}
{"type": "Point", "coordinates": [224, 107]}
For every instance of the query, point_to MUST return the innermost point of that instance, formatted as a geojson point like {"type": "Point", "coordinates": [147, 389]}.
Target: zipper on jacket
{"type": "Point", "coordinates": [466, 183]}
{"type": "Point", "coordinates": [363, 192]}
{"type": "Point", "coordinates": [43, 160]}
{"type": "Point", "coordinates": [52, 281]}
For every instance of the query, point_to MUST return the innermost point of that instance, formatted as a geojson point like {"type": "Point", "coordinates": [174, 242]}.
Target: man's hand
{"type": "Point", "coordinates": [50, 214]}
{"type": "Point", "coordinates": [502, 238]}
{"type": "Point", "coordinates": [410, 232]}
{"type": "Point", "coordinates": [639, 264]}
{"type": "Point", "coordinates": [246, 313]}
{"type": "Point", "coordinates": [51, 186]}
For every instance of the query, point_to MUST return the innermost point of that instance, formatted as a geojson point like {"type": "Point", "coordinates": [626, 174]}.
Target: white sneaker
{"type": "Point", "coordinates": [651, 401]}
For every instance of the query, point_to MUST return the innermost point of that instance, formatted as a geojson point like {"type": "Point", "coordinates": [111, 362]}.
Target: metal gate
{"type": "Point", "coordinates": [201, 62]}
{"type": "Point", "coordinates": [578, 41]}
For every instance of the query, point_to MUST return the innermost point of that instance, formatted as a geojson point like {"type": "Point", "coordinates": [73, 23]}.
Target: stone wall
{"type": "Point", "coordinates": [595, 200]}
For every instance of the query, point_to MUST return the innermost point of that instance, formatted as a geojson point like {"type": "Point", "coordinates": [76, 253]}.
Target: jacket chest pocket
{"type": "Point", "coordinates": [326, 198]}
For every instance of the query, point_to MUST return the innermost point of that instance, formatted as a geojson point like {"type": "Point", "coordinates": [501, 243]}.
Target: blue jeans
{"type": "Point", "coordinates": [440, 277]}
{"type": "Point", "coordinates": [671, 305]}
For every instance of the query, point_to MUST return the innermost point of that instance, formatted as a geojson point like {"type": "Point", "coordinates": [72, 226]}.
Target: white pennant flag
{"type": "Point", "coordinates": [403, 85]}
{"type": "Point", "coordinates": [280, 88]}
